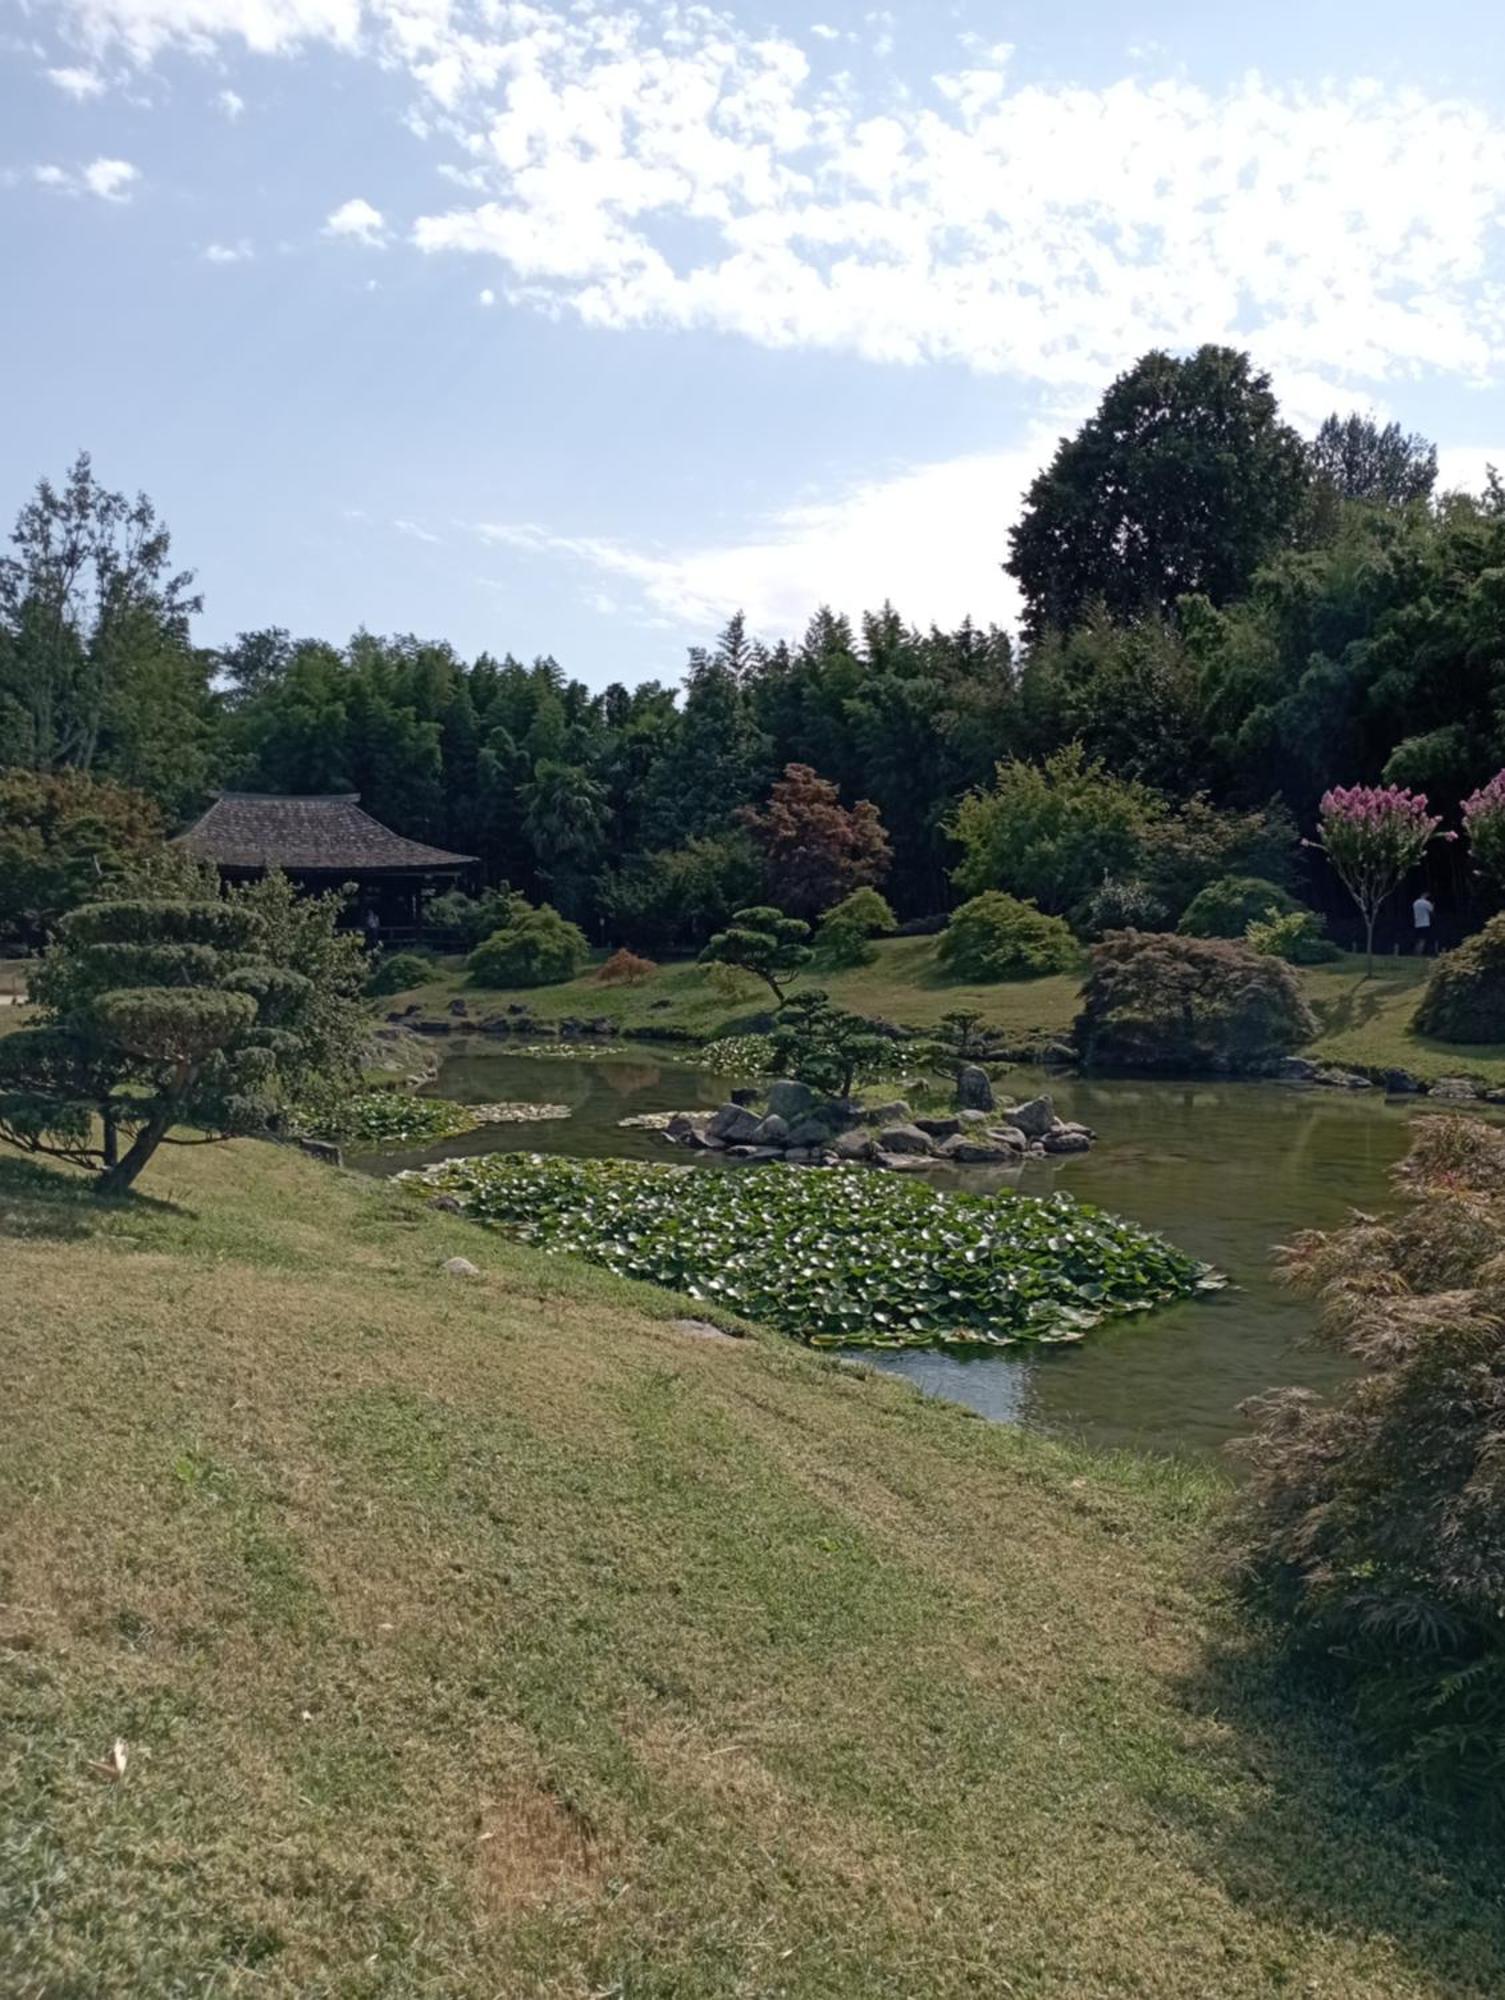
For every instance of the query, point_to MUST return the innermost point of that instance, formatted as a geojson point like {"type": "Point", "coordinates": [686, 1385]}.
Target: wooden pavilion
{"type": "Point", "coordinates": [327, 842]}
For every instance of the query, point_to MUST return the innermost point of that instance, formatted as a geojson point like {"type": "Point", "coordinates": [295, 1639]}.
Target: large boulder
{"type": "Point", "coordinates": [734, 1125]}
{"type": "Point", "coordinates": [1035, 1118]}
{"type": "Point", "coordinates": [904, 1138]}
{"type": "Point", "coordinates": [773, 1131]}
{"type": "Point", "coordinates": [974, 1092]}
{"type": "Point", "coordinates": [790, 1100]}
{"type": "Point", "coordinates": [979, 1149]}
{"type": "Point", "coordinates": [939, 1128]}
{"type": "Point", "coordinates": [1067, 1139]}
{"type": "Point", "coordinates": [895, 1113]}
{"type": "Point", "coordinates": [854, 1145]}
{"type": "Point", "coordinates": [809, 1132]}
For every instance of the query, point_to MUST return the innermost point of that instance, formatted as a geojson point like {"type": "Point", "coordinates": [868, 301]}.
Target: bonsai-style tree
{"type": "Point", "coordinates": [1484, 823]}
{"type": "Point", "coordinates": [168, 1016]}
{"type": "Point", "coordinates": [962, 1039]}
{"type": "Point", "coordinates": [764, 941]}
{"type": "Point", "coordinates": [825, 1046]}
{"type": "Point", "coordinates": [1374, 835]}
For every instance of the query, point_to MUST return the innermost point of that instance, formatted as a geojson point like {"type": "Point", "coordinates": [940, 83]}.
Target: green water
{"type": "Point", "coordinates": [1226, 1170]}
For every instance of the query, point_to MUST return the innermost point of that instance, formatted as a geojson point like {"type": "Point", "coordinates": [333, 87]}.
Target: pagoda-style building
{"type": "Point", "coordinates": [327, 842]}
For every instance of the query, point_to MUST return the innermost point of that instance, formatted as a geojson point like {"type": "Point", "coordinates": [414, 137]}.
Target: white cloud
{"type": "Point", "coordinates": [675, 170]}
{"type": "Point", "coordinates": [359, 221]}
{"type": "Point", "coordinates": [823, 32]}
{"type": "Point", "coordinates": [109, 180]}
{"type": "Point", "coordinates": [930, 538]}
{"type": "Point", "coordinates": [230, 104]}
{"type": "Point", "coordinates": [486, 296]}
{"type": "Point", "coordinates": [1464, 468]}
{"type": "Point", "coordinates": [239, 252]}
{"type": "Point", "coordinates": [77, 83]}
{"type": "Point", "coordinates": [415, 533]}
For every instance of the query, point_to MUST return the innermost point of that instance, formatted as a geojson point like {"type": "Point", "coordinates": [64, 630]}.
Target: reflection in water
{"type": "Point", "coordinates": [1226, 1170]}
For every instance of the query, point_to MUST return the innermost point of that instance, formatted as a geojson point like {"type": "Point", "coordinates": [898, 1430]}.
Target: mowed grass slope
{"type": "Point", "coordinates": [492, 1638]}
{"type": "Point", "coordinates": [1364, 1021]}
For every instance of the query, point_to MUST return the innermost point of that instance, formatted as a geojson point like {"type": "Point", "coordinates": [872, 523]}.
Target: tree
{"type": "Point", "coordinates": [825, 1046]}
{"type": "Point", "coordinates": [180, 1010]}
{"type": "Point", "coordinates": [1359, 460]}
{"type": "Point", "coordinates": [1053, 832]}
{"type": "Point", "coordinates": [88, 592]}
{"type": "Point", "coordinates": [848, 928]}
{"type": "Point", "coordinates": [565, 816]}
{"type": "Point", "coordinates": [1484, 824]}
{"type": "Point", "coordinates": [762, 941]}
{"type": "Point", "coordinates": [999, 937]}
{"type": "Point", "coordinates": [815, 850]}
{"type": "Point", "coordinates": [533, 948]}
{"type": "Point", "coordinates": [1374, 836]}
{"type": "Point", "coordinates": [1183, 481]}
{"type": "Point", "coordinates": [62, 834]}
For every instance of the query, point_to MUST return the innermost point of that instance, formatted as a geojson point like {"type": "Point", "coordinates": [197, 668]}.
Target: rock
{"type": "Point", "coordinates": [519, 1007]}
{"type": "Point", "coordinates": [700, 1329]}
{"type": "Point", "coordinates": [939, 1128]}
{"type": "Point", "coordinates": [1067, 1139]}
{"type": "Point", "coordinates": [458, 1007]}
{"type": "Point", "coordinates": [773, 1131]}
{"type": "Point", "coordinates": [854, 1146]}
{"type": "Point", "coordinates": [839, 1113]}
{"type": "Point", "coordinates": [446, 1204]}
{"type": "Point", "coordinates": [1401, 1083]}
{"type": "Point", "coordinates": [1333, 1078]}
{"type": "Point", "coordinates": [790, 1100]}
{"type": "Point", "coordinates": [431, 1027]}
{"type": "Point", "coordinates": [747, 1094]}
{"type": "Point", "coordinates": [733, 1123]}
{"type": "Point", "coordinates": [461, 1267]}
{"type": "Point", "coordinates": [973, 1120]}
{"type": "Point", "coordinates": [976, 1149]}
{"type": "Point", "coordinates": [1007, 1135]}
{"type": "Point", "coordinates": [603, 1026]}
{"type": "Point", "coordinates": [897, 1113]}
{"type": "Point", "coordinates": [810, 1132]}
{"type": "Point", "coordinates": [803, 1156]}
{"type": "Point", "coordinates": [1295, 1069]}
{"type": "Point", "coordinates": [904, 1163]}
{"type": "Point", "coordinates": [684, 1125]}
{"type": "Point", "coordinates": [904, 1138]}
{"type": "Point", "coordinates": [1035, 1118]}
{"type": "Point", "coordinates": [1461, 1089]}
{"type": "Point", "coordinates": [973, 1090]}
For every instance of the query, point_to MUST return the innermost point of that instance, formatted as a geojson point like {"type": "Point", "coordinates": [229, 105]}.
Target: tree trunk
{"type": "Point", "coordinates": [1369, 922]}
{"type": "Point", "coordinates": [110, 1150]}
{"type": "Point", "coordinates": [117, 1178]}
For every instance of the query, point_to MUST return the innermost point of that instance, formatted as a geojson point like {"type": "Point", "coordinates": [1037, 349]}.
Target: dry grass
{"type": "Point", "coordinates": [493, 1638]}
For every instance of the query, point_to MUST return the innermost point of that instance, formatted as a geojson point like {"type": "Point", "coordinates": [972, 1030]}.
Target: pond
{"type": "Point", "coordinates": [1225, 1170]}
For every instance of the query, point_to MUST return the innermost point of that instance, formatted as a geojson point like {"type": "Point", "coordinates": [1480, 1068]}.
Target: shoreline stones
{"type": "Point", "coordinates": [802, 1129]}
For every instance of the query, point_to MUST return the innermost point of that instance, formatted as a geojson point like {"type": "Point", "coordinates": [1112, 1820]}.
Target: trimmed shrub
{"type": "Point", "coordinates": [1121, 903]}
{"type": "Point", "coordinates": [1227, 907]}
{"type": "Point", "coordinates": [625, 968]}
{"type": "Point", "coordinates": [848, 927]}
{"type": "Point", "coordinates": [1154, 1001]}
{"type": "Point", "coordinates": [1373, 1528]}
{"type": "Point", "coordinates": [1000, 937]}
{"type": "Point", "coordinates": [396, 971]}
{"type": "Point", "coordinates": [1465, 996]}
{"type": "Point", "coordinates": [472, 919]}
{"type": "Point", "coordinates": [536, 948]}
{"type": "Point", "coordinates": [1297, 936]}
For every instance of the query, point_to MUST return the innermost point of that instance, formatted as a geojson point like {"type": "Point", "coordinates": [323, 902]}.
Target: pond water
{"type": "Point", "coordinates": [1225, 1170]}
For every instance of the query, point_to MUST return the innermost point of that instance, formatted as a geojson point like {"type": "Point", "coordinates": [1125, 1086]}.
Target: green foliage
{"type": "Point", "coordinates": [1183, 481]}
{"type": "Point", "coordinates": [1159, 1002]}
{"type": "Point", "coordinates": [763, 941]}
{"type": "Point", "coordinates": [1122, 903]}
{"type": "Point", "coordinates": [1227, 907]}
{"type": "Point", "coordinates": [224, 1016]}
{"type": "Point", "coordinates": [960, 1039]}
{"type": "Point", "coordinates": [534, 948]}
{"type": "Point", "coordinates": [63, 834]}
{"type": "Point", "coordinates": [841, 1257]}
{"type": "Point", "coordinates": [847, 928]}
{"type": "Point", "coordinates": [827, 1047]}
{"type": "Point", "coordinates": [1052, 832]}
{"type": "Point", "coordinates": [377, 1120]}
{"type": "Point", "coordinates": [396, 971]}
{"type": "Point", "coordinates": [471, 919]}
{"type": "Point", "coordinates": [736, 1055]}
{"type": "Point", "coordinates": [1465, 996]}
{"type": "Point", "coordinates": [679, 895]}
{"type": "Point", "coordinates": [1298, 936]}
{"type": "Point", "coordinates": [1372, 1526]}
{"type": "Point", "coordinates": [999, 937]}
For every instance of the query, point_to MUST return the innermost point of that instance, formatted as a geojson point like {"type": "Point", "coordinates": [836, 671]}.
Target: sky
{"type": "Point", "coordinates": [573, 328]}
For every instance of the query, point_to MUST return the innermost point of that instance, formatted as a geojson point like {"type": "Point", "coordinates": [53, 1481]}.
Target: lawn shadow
{"type": "Point", "coordinates": [41, 1200]}
{"type": "Point", "coordinates": [1327, 1840]}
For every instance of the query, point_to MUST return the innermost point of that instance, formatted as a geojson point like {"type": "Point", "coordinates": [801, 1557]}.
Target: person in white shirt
{"type": "Point", "coordinates": [1421, 919]}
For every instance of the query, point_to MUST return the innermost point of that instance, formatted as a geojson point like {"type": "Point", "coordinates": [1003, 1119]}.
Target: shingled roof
{"type": "Point", "coordinates": [327, 835]}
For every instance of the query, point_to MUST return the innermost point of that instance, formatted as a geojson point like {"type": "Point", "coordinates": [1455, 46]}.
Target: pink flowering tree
{"type": "Point", "coordinates": [1374, 835]}
{"type": "Point", "coordinates": [1484, 823]}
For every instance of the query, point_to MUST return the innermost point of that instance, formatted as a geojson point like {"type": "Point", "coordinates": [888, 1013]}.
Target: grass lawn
{"type": "Point", "coordinates": [1365, 1022]}
{"type": "Point", "coordinates": [491, 1637]}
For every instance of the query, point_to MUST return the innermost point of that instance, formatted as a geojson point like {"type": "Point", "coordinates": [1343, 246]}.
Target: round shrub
{"type": "Point", "coordinates": [537, 948]}
{"type": "Point", "coordinates": [1120, 903]}
{"type": "Point", "coordinates": [1465, 996]}
{"type": "Point", "coordinates": [626, 968]}
{"type": "Point", "coordinates": [996, 936]}
{"type": "Point", "coordinates": [847, 928]}
{"type": "Point", "coordinates": [396, 971]}
{"type": "Point", "coordinates": [1227, 907]}
{"type": "Point", "coordinates": [1160, 1002]}
{"type": "Point", "coordinates": [1297, 936]}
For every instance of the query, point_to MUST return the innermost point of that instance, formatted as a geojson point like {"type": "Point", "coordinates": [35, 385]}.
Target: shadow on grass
{"type": "Point", "coordinates": [37, 1199]}
{"type": "Point", "coordinates": [1327, 1841]}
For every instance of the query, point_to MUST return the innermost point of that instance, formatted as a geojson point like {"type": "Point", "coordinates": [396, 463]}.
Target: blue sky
{"type": "Point", "coordinates": [573, 328]}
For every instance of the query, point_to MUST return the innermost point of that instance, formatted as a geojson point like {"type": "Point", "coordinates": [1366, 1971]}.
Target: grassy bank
{"type": "Point", "coordinates": [1365, 1022]}
{"type": "Point", "coordinates": [492, 1637]}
